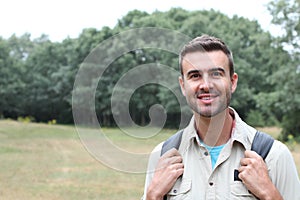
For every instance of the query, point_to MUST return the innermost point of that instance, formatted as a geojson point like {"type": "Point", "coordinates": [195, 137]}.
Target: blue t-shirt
{"type": "Point", "coordinates": [214, 153]}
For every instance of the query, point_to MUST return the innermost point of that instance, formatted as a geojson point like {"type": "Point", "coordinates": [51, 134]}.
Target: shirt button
{"type": "Point", "coordinates": [206, 153]}
{"type": "Point", "coordinates": [211, 183]}
{"type": "Point", "coordinates": [175, 191]}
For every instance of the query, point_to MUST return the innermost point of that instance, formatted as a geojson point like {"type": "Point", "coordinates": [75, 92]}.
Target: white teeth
{"type": "Point", "coordinates": [206, 98]}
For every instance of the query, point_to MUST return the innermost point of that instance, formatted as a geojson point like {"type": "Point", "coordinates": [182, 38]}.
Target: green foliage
{"type": "Point", "coordinates": [290, 125]}
{"type": "Point", "coordinates": [52, 122]}
{"type": "Point", "coordinates": [286, 13]}
{"type": "Point", "coordinates": [255, 118]}
{"type": "Point", "coordinates": [26, 119]}
{"type": "Point", "coordinates": [37, 76]}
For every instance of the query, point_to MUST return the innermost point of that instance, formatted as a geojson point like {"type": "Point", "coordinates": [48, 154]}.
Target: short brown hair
{"type": "Point", "coordinates": [206, 43]}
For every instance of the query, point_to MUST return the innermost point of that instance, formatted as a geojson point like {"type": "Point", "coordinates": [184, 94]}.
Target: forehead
{"type": "Point", "coordinates": [205, 60]}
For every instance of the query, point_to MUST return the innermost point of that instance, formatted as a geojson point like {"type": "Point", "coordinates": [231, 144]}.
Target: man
{"type": "Point", "coordinates": [217, 142]}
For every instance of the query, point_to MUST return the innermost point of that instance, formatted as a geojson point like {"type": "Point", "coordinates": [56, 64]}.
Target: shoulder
{"type": "Point", "coordinates": [278, 151]}
{"type": "Point", "coordinates": [280, 160]}
{"type": "Point", "coordinates": [282, 170]}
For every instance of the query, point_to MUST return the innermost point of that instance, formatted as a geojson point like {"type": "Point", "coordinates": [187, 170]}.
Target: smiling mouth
{"type": "Point", "coordinates": [207, 98]}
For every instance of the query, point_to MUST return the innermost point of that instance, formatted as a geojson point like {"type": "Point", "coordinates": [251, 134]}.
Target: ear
{"type": "Point", "coordinates": [234, 81]}
{"type": "Point", "coordinates": [181, 83]}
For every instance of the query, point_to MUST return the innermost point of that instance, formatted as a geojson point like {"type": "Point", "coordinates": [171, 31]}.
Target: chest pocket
{"type": "Point", "coordinates": [181, 190]}
{"type": "Point", "coordinates": [239, 191]}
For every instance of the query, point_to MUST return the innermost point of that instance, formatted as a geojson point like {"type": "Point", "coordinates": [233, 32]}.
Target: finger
{"type": "Point", "coordinates": [251, 154]}
{"type": "Point", "coordinates": [173, 171]}
{"type": "Point", "coordinates": [172, 156]}
{"type": "Point", "coordinates": [172, 152]}
{"type": "Point", "coordinates": [241, 169]}
{"type": "Point", "coordinates": [180, 172]}
{"type": "Point", "coordinates": [169, 161]}
{"type": "Point", "coordinates": [167, 165]}
{"type": "Point", "coordinates": [179, 168]}
{"type": "Point", "coordinates": [172, 160]}
{"type": "Point", "coordinates": [245, 161]}
{"type": "Point", "coordinates": [242, 174]}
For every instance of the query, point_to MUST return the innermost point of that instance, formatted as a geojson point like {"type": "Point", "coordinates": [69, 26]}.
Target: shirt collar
{"type": "Point", "coordinates": [242, 132]}
{"type": "Point", "coordinates": [238, 133]}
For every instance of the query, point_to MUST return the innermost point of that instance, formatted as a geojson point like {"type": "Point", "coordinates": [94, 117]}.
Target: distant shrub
{"type": "Point", "coordinates": [291, 126]}
{"type": "Point", "coordinates": [51, 122]}
{"type": "Point", "coordinates": [291, 142]}
{"type": "Point", "coordinates": [26, 119]}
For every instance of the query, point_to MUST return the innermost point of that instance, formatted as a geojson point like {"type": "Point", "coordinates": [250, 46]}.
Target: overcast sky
{"type": "Point", "coordinates": [62, 18]}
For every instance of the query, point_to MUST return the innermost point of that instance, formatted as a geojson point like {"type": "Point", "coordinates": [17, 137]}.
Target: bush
{"type": "Point", "coordinates": [291, 126]}
{"type": "Point", "coordinates": [51, 122]}
{"type": "Point", "coordinates": [26, 119]}
{"type": "Point", "coordinates": [255, 118]}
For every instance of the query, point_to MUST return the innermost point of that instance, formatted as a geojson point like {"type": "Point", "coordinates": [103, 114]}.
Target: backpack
{"type": "Point", "coordinates": [261, 144]}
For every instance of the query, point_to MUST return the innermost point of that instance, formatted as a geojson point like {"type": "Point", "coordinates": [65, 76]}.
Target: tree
{"type": "Point", "coordinates": [286, 13]}
{"type": "Point", "coordinates": [5, 65]}
{"type": "Point", "coordinates": [14, 53]}
{"type": "Point", "coordinates": [41, 65]}
{"type": "Point", "coordinates": [37, 76]}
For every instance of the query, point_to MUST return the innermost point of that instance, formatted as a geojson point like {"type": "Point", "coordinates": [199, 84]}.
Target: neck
{"type": "Point", "coordinates": [216, 130]}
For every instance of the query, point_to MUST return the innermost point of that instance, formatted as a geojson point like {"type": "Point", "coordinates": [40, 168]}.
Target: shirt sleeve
{"type": "Point", "coordinates": [152, 162]}
{"type": "Point", "coordinates": [283, 171]}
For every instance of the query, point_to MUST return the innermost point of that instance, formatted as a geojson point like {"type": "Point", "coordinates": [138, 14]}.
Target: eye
{"type": "Point", "coordinates": [194, 76]}
{"type": "Point", "coordinates": [216, 74]}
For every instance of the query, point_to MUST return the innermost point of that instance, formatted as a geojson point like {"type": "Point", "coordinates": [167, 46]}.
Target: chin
{"type": "Point", "coordinates": [211, 112]}
{"type": "Point", "coordinates": [207, 115]}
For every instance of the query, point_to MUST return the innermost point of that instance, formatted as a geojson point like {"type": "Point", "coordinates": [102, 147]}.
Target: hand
{"type": "Point", "coordinates": [254, 174]}
{"type": "Point", "coordinates": [168, 169]}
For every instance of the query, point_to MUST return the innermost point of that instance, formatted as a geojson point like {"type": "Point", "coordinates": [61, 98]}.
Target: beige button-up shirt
{"type": "Point", "coordinates": [201, 182]}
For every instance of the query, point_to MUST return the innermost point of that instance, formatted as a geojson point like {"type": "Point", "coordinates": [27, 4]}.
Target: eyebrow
{"type": "Point", "coordinates": [217, 69]}
{"type": "Point", "coordinates": [210, 70]}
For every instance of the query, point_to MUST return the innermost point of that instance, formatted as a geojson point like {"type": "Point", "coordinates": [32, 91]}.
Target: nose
{"type": "Point", "coordinates": [205, 84]}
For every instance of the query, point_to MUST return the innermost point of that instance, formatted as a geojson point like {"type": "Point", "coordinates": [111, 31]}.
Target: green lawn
{"type": "Point", "coordinates": [40, 161]}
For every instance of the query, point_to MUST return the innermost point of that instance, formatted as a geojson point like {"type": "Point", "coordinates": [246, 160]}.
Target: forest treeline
{"type": "Point", "coordinates": [37, 75]}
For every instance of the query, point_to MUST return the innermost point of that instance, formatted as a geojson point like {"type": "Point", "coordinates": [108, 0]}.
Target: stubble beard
{"type": "Point", "coordinates": [210, 110]}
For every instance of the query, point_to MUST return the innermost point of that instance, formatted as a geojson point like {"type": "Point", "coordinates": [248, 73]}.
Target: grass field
{"type": "Point", "coordinates": [39, 161]}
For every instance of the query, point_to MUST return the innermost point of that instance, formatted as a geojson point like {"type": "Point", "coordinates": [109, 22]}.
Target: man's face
{"type": "Point", "coordinates": [206, 82]}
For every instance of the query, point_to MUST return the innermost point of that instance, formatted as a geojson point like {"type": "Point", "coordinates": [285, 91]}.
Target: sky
{"type": "Point", "coordinates": [60, 19]}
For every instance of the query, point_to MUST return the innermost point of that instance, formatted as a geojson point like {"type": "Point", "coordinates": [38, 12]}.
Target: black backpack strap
{"type": "Point", "coordinates": [172, 142]}
{"type": "Point", "coordinates": [262, 144]}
